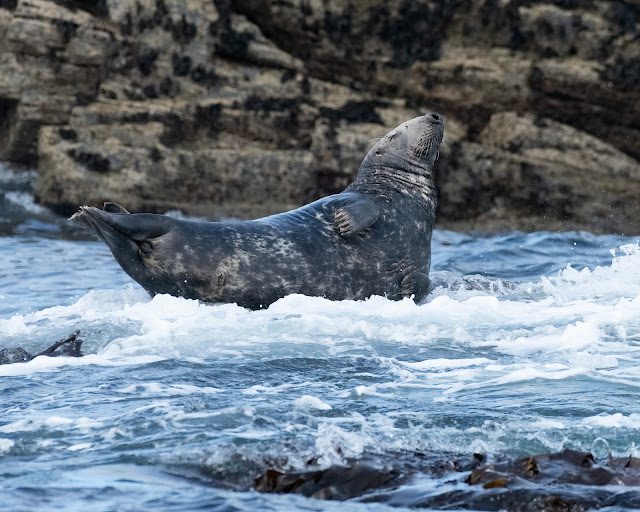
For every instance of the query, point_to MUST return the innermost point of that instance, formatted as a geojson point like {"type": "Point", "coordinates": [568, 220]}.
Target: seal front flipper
{"type": "Point", "coordinates": [355, 215]}
{"type": "Point", "coordinates": [416, 285]}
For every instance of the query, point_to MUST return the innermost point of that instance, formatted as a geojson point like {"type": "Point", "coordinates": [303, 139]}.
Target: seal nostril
{"type": "Point", "coordinates": [436, 117]}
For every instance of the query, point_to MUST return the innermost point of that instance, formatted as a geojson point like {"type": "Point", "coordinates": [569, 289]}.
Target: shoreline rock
{"type": "Point", "coordinates": [246, 108]}
{"type": "Point", "coordinates": [565, 481]}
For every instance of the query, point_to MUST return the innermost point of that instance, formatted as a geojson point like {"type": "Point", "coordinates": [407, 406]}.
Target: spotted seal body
{"type": "Point", "coordinates": [372, 239]}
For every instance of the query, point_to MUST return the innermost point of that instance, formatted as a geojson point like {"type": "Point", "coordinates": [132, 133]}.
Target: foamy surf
{"type": "Point", "coordinates": [589, 332]}
{"type": "Point", "coordinates": [508, 356]}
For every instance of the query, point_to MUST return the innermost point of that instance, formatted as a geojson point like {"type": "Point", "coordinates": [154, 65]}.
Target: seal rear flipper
{"type": "Point", "coordinates": [114, 207]}
{"type": "Point", "coordinates": [135, 226]}
{"type": "Point", "coordinates": [131, 239]}
{"type": "Point", "coordinates": [355, 216]}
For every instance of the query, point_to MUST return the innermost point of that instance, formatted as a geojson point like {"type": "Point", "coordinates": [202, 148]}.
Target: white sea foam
{"type": "Point", "coordinates": [167, 327]}
{"type": "Point", "coordinates": [79, 447]}
{"type": "Point", "coordinates": [48, 364]}
{"type": "Point", "coordinates": [442, 364]}
{"type": "Point", "coordinates": [179, 215]}
{"type": "Point", "coordinates": [616, 420]}
{"type": "Point", "coordinates": [157, 388]}
{"type": "Point", "coordinates": [16, 178]}
{"type": "Point", "coordinates": [335, 444]}
{"type": "Point", "coordinates": [36, 420]}
{"type": "Point", "coordinates": [6, 445]}
{"type": "Point", "coordinates": [311, 402]}
{"type": "Point", "coordinates": [25, 201]}
{"type": "Point", "coordinates": [259, 389]}
{"type": "Point", "coordinates": [620, 279]}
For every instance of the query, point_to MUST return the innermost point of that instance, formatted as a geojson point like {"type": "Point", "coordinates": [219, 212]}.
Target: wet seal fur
{"type": "Point", "coordinates": [372, 239]}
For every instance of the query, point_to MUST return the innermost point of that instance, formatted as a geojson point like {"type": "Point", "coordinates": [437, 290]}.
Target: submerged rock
{"type": "Point", "coordinates": [333, 483]}
{"type": "Point", "coordinates": [245, 108]}
{"type": "Point", "coordinates": [564, 481]}
{"type": "Point", "coordinates": [66, 347]}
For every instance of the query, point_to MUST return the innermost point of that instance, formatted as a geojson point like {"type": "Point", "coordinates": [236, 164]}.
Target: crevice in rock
{"type": "Point", "coordinates": [8, 4]}
{"type": "Point", "coordinates": [98, 8]}
{"type": "Point", "coordinates": [355, 112]}
{"type": "Point", "coordinates": [327, 182]}
{"type": "Point", "coordinates": [8, 115]}
{"type": "Point", "coordinates": [92, 161]}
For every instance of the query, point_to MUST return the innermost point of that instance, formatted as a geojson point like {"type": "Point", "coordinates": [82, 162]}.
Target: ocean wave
{"type": "Point", "coordinates": [25, 201]}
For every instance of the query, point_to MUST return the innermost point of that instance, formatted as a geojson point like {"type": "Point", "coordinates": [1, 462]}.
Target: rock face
{"type": "Point", "coordinates": [247, 107]}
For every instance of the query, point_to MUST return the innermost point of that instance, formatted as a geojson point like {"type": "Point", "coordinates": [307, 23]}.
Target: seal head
{"type": "Point", "coordinates": [372, 239]}
{"type": "Point", "coordinates": [404, 159]}
{"type": "Point", "coordinates": [411, 147]}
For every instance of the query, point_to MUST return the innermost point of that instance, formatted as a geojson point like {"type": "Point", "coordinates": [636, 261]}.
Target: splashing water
{"type": "Point", "coordinates": [529, 343]}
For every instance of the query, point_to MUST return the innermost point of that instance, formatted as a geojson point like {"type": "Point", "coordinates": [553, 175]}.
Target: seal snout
{"type": "Point", "coordinates": [435, 118]}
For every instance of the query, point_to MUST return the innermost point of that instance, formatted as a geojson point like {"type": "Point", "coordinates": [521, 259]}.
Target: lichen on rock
{"type": "Point", "coordinates": [245, 108]}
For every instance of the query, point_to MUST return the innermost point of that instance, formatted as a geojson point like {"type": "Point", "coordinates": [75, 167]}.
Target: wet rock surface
{"type": "Point", "coordinates": [564, 481]}
{"type": "Point", "coordinates": [71, 346]}
{"type": "Point", "coordinates": [246, 108]}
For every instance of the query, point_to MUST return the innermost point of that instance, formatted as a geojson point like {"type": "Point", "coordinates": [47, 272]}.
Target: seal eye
{"type": "Point", "coordinates": [378, 153]}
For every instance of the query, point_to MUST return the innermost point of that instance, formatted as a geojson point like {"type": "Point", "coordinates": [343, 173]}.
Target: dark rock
{"type": "Point", "coordinates": [287, 75]}
{"type": "Point", "coordinates": [184, 31]}
{"type": "Point", "coordinates": [181, 65]}
{"type": "Point", "coordinates": [168, 87]}
{"type": "Point", "coordinates": [14, 355]}
{"type": "Point", "coordinates": [624, 72]}
{"type": "Point", "coordinates": [233, 44]}
{"type": "Point", "coordinates": [99, 8]}
{"type": "Point", "coordinates": [333, 483]}
{"type": "Point", "coordinates": [209, 117]}
{"type": "Point", "coordinates": [68, 134]}
{"type": "Point", "coordinates": [204, 76]}
{"type": "Point", "coordinates": [406, 30]}
{"type": "Point", "coordinates": [92, 161]}
{"type": "Point", "coordinates": [8, 4]}
{"type": "Point", "coordinates": [146, 60]}
{"type": "Point", "coordinates": [67, 29]}
{"type": "Point", "coordinates": [254, 102]}
{"type": "Point", "coordinates": [156, 155]}
{"type": "Point", "coordinates": [67, 347]}
{"type": "Point", "coordinates": [150, 91]}
{"type": "Point", "coordinates": [355, 112]}
{"type": "Point", "coordinates": [175, 130]}
{"type": "Point", "coordinates": [563, 481]}
{"type": "Point", "coordinates": [8, 115]}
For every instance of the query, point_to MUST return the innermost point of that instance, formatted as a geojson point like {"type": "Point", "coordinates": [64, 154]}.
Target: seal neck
{"type": "Point", "coordinates": [411, 179]}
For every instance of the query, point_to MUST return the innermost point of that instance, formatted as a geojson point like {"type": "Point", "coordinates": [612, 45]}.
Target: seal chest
{"type": "Point", "coordinates": [374, 238]}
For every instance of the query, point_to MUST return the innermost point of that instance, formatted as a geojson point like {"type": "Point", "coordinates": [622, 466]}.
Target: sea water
{"type": "Point", "coordinates": [529, 343]}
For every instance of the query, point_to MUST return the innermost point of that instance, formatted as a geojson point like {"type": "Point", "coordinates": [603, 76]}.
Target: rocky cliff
{"type": "Point", "coordinates": [247, 107]}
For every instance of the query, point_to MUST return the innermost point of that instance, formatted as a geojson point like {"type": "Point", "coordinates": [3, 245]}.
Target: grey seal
{"type": "Point", "coordinates": [374, 238]}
